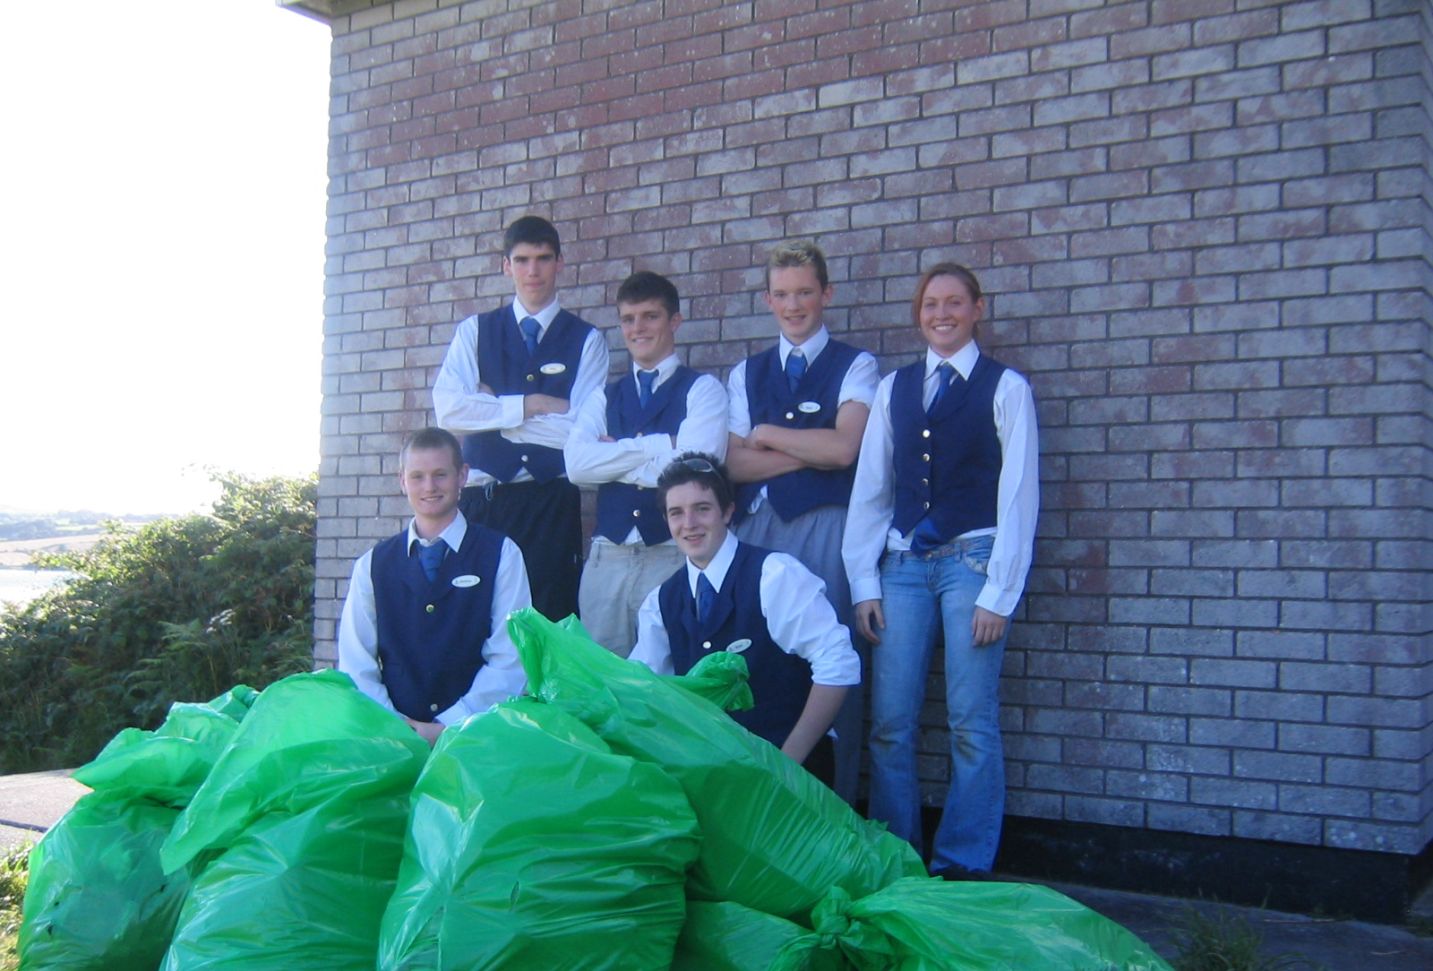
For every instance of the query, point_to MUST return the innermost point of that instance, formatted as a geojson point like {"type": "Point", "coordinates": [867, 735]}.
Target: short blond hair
{"type": "Point", "coordinates": [797, 252]}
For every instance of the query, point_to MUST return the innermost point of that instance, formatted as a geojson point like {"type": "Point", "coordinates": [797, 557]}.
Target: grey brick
{"type": "Point", "coordinates": [1236, 794]}
{"type": "Point", "coordinates": [1279, 766]}
{"type": "Point", "coordinates": [1344, 834]}
{"type": "Point", "coordinates": [1285, 583]}
{"type": "Point", "coordinates": [1207, 821]}
{"type": "Point", "coordinates": [1147, 785]}
{"type": "Point", "coordinates": [1279, 827]}
{"type": "Point", "coordinates": [1325, 739]}
{"type": "Point", "coordinates": [1245, 553]}
{"type": "Point", "coordinates": [1243, 733]}
{"type": "Point", "coordinates": [1186, 700]}
{"type": "Point", "coordinates": [1390, 744]}
{"type": "Point", "coordinates": [1145, 669]}
{"type": "Point", "coordinates": [1279, 706]}
{"type": "Point", "coordinates": [1141, 727]}
{"type": "Point", "coordinates": [1233, 673]}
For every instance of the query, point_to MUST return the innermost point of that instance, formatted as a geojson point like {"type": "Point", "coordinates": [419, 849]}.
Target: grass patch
{"type": "Point", "coordinates": [14, 873]}
{"type": "Point", "coordinates": [1219, 940]}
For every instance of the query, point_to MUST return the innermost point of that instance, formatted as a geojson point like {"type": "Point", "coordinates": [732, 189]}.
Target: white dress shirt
{"type": "Point", "coordinates": [639, 460]}
{"type": "Point", "coordinates": [858, 384]}
{"type": "Point", "coordinates": [793, 601]}
{"type": "Point", "coordinates": [501, 675]}
{"type": "Point", "coordinates": [462, 409]}
{"type": "Point", "coordinates": [1017, 504]}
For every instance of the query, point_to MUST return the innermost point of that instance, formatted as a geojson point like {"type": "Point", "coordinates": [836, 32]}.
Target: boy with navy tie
{"type": "Point", "coordinates": [732, 596]}
{"type": "Point", "coordinates": [509, 384]}
{"type": "Point", "coordinates": [796, 415]}
{"type": "Point", "coordinates": [624, 436]}
{"type": "Point", "coordinates": [423, 630]}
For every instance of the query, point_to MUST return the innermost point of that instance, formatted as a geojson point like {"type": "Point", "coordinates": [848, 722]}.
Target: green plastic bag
{"type": "Point", "coordinates": [926, 924]}
{"type": "Point", "coordinates": [725, 936]}
{"type": "Point", "coordinates": [532, 846]}
{"type": "Point", "coordinates": [302, 825]}
{"type": "Point", "coordinates": [773, 837]}
{"type": "Point", "coordinates": [97, 897]}
{"type": "Point", "coordinates": [720, 678]}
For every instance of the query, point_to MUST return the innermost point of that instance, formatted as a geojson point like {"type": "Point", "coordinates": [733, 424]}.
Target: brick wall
{"type": "Point", "coordinates": [1205, 229]}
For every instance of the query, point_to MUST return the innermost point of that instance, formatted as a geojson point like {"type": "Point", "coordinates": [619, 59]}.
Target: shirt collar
{"type": "Point", "coordinates": [716, 569]}
{"type": "Point", "coordinates": [452, 535]}
{"type": "Point", "coordinates": [814, 345]}
{"type": "Point", "coordinates": [962, 360]}
{"type": "Point", "coordinates": [544, 317]}
{"type": "Point", "coordinates": [665, 367]}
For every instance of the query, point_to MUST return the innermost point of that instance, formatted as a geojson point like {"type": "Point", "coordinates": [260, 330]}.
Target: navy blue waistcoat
{"type": "Point", "coordinates": [771, 401]}
{"type": "Point", "coordinates": [504, 366]}
{"type": "Point", "coordinates": [431, 635]}
{"type": "Point", "coordinates": [947, 465]}
{"type": "Point", "coordinates": [622, 505]}
{"type": "Point", "coordinates": [780, 682]}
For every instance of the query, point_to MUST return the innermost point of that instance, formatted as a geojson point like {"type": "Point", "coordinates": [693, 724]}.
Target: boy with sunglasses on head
{"type": "Point", "coordinates": [732, 596]}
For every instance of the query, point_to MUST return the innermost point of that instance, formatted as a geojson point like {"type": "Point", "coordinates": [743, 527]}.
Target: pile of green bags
{"type": "Point", "coordinates": [97, 895]}
{"type": "Point", "coordinates": [611, 819]}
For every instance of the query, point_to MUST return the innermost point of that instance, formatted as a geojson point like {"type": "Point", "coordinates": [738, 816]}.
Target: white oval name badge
{"type": "Point", "coordinates": [467, 580]}
{"type": "Point", "coordinates": [553, 367]}
{"type": "Point", "coordinates": [736, 647]}
{"type": "Point", "coordinates": [809, 407]}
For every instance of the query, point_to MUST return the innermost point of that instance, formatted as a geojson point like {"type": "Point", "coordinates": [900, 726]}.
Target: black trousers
{"type": "Point", "coordinates": [544, 519]}
{"type": "Point", "coordinates": [822, 761]}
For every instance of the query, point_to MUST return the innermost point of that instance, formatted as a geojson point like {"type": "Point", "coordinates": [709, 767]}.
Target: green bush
{"type": "Point", "coordinates": [178, 610]}
{"type": "Point", "coordinates": [14, 872]}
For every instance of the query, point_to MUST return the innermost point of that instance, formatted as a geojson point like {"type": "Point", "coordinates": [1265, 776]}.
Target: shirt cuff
{"type": "Point", "coordinates": [512, 405]}
{"type": "Point", "coordinates": [996, 600]}
{"type": "Point", "coordinates": [866, 588]}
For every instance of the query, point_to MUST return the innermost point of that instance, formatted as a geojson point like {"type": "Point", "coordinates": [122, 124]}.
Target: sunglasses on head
{"type": "Point", "coordinates": [697, 465]}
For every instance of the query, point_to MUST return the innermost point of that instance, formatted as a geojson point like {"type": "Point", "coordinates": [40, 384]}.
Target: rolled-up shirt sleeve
{"type": "Point", "coordinates": [653, 648]}
{"type": "Point", "coordinates": [802, 621]}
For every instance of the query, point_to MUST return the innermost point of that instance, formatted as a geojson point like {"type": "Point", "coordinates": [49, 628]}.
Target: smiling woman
{"type": "Point", "coordinates": [163, 263]}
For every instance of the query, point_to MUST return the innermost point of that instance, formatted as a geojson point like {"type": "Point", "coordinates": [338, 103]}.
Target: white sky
{"type": "Point", "coordinates": [161, 249]}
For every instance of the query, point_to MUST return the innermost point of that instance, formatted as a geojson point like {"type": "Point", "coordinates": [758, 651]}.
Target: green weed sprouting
{"type": "Point", "coordinates": [1220, 940]}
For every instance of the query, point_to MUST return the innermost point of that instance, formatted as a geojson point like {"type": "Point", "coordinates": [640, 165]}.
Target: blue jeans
{"type": "Point", "coordinates": [917, 591]}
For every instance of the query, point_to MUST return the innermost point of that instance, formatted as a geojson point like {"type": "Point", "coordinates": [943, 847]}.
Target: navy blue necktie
{"type": "Point", "coordinates": [795, 368]}
{"type": "Point", "coordinates": [644, 386]}
{"type": "Point", "coordinates": [431, 557]}
{"type": "Point", "coordinates": [530, 330]}
{"type": "Point", "coordinates": [944, 375]}
{"type": "Point", "coordinates": [706, 598]}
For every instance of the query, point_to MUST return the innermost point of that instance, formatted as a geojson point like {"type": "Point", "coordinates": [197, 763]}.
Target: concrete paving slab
{"type": "Point", "coordinates": [1317, 943]}
{"type": "Point", "coordinates": [33, 802]}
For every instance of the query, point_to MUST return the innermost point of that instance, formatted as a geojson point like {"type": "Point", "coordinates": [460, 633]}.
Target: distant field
{"type": "Point", "coordinates": [15, 553]}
